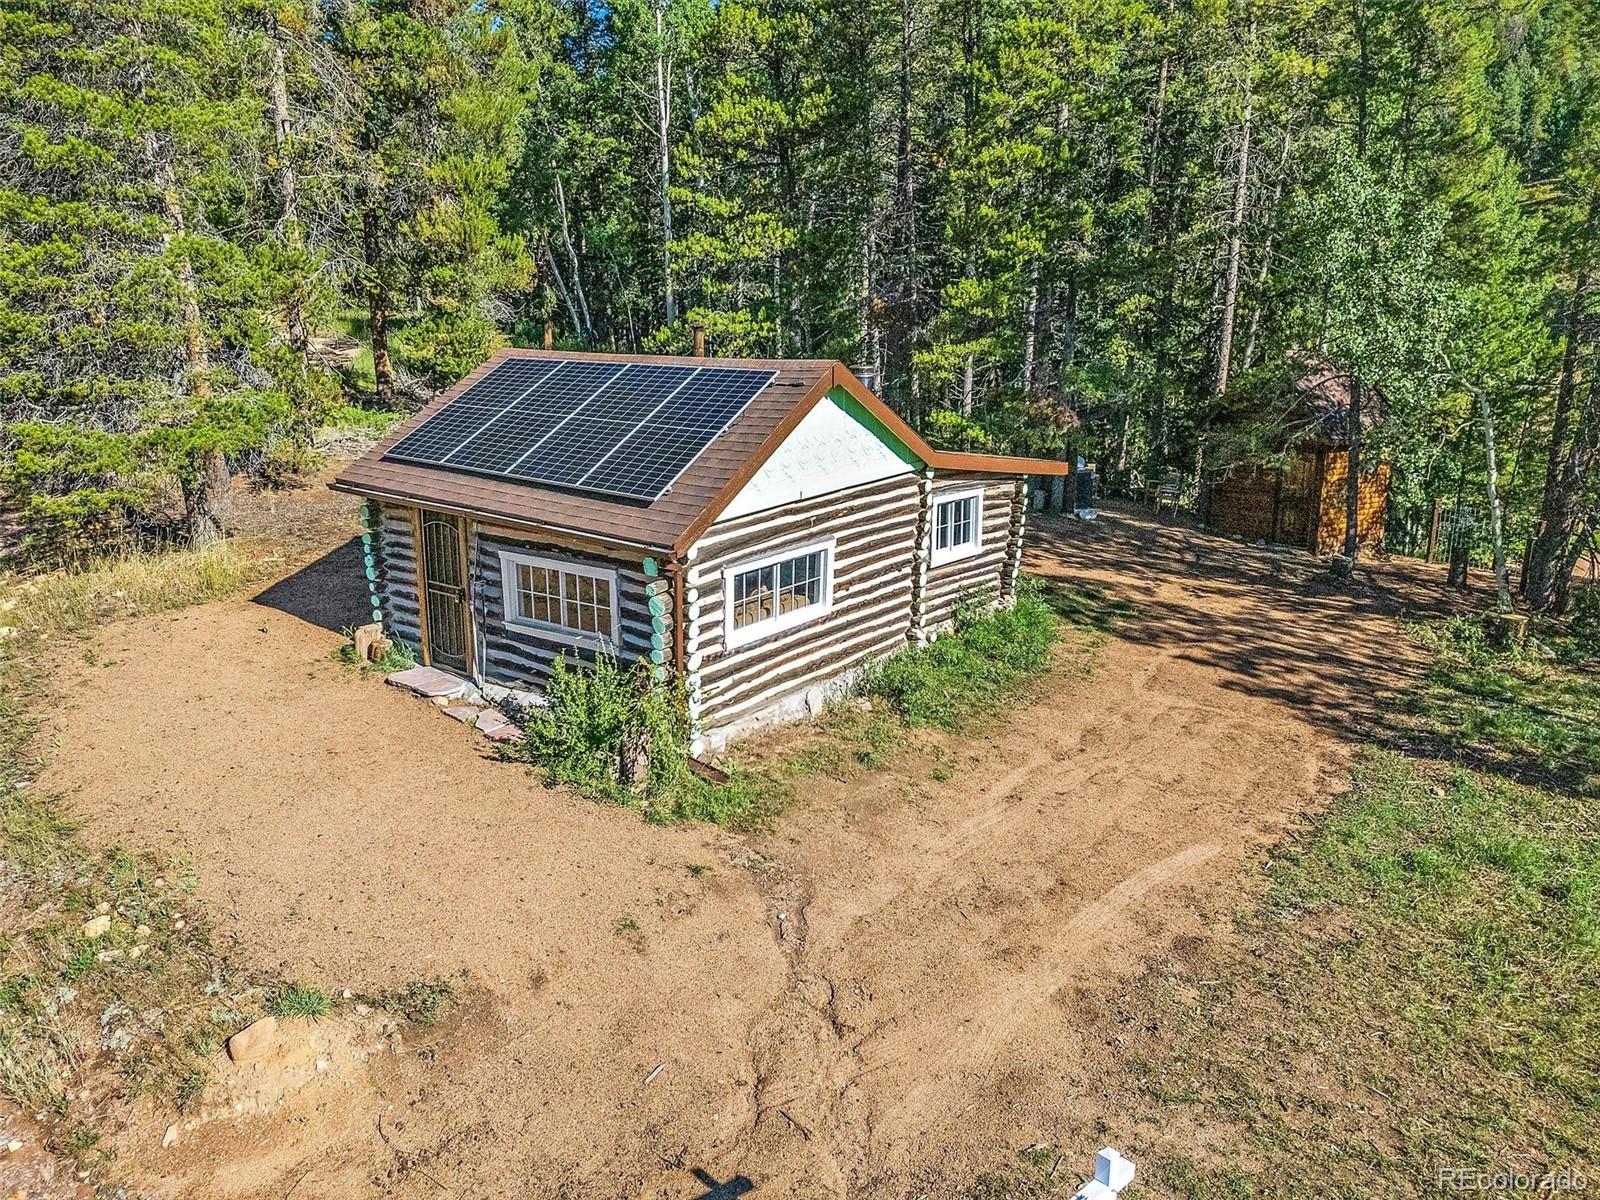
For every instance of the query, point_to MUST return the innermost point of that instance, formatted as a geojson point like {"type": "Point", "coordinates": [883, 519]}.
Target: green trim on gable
{"type": "Point", "coordinates": [859, 412]}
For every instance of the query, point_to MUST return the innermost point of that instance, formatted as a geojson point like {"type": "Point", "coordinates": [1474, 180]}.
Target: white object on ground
{"type": "Point", "coordinates": [1111, 1169]}
{"type": "Point", "coordinates": [1112, 1173]}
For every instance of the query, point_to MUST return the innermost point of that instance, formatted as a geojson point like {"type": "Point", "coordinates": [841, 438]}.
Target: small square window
{"type": "Point", "coordinates": [957, 527]}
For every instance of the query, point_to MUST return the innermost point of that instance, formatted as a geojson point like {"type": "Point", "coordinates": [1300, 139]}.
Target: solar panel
{"type": "Point", "coordinates": [536, 416]}
{"type": "Point", "coordinates": [657, 452]}
{"type": "Point", "coordinates": [443, 432]}
{"type": "Point", "coordinates": [624, 429]}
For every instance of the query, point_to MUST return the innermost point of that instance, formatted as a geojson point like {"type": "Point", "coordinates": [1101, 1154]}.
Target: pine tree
{"type": "Point", "coordinates": [131, 366]}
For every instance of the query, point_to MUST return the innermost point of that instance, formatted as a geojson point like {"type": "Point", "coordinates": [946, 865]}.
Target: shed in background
{"type": "Point", "coordinates": [1299, 498]}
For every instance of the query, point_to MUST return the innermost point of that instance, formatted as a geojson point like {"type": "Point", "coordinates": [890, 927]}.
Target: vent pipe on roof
{"type": "Point", "coordinates": [549, 335]}
{"type": "Point", "coordinates": [870, 379]}
{"type": "Point", "coordinates": [699, 339]}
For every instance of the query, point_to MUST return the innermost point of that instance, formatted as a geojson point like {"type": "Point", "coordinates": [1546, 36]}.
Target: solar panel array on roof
{"type": "Point", "coordinates": [623, 429]}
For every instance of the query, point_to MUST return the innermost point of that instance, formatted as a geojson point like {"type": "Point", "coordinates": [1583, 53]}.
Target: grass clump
{"type": "Point", "coordinates": [421, 1001]}
{"type": "Point", "coordinates": [1516, 712]}
{"type": "Point", "coordinates": [297, 1000]}
{"type": "Point", "coordinates": [398, 657]}
{"type": "Point", "coordinates": [985, 658]}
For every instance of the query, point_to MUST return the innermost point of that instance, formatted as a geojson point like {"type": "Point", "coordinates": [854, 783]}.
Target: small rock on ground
{"type": "Point", "coordinates": [97, 926]}
{"type": "Point", "coordinates": [253, 1040]}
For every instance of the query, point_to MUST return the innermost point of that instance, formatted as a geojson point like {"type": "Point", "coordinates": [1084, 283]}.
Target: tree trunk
{"type": "Point", "coordinates": [904, 326]}
{"type": "Point", "coordinates": [205, 496]}
{"type": "Point", "coordinates": [1230, 292]}
{"type": "Point", "coordinates": [377, 306]}
{"type": "Point", "coordinates": [1352, 492]}
{"type": "Point", "coordinates": [1502, 585]}
{"type": "Point", "coordinates": [1258, 309]}
{"type": "Point", "coordinates": [1030, 328]}
{"type": "Point", "coordinates": [587, 328]}
{"type": "Point", "coordinates": [194, 341]}
{"type": "Point", "coordinates": [664, 157]}
{"type": "Point", "coordinates": [1542, 570]}
{"type": "Point", "coordinates": [1576, 489]}
{"type": "Point", "coordinates": [294, 316]}
{"type": "Point", "coordinates": [561, 289]}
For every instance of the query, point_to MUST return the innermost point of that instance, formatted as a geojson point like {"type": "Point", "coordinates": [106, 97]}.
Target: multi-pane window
{"type": "Point", "coordinates": [581, 601]}
{"type": "Point", "coordinates": [956, 526]}
{"type": "Point", "coordinates": [778, 592]}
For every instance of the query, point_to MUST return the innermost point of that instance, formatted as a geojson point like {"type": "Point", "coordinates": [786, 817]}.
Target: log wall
{"type": "Point", "coordinates": [519, 657]}
{"type": "Point", "coordinates": [508, 655]}
{"type": "Point", "coordinates": [981, 578]}
{"type": "Point", "coordinates": [396, 565]}
{"type": "Point", "coordinates": [874, 568]}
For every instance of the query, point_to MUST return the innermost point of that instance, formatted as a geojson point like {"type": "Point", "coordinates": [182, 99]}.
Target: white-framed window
{"type": "Point", "coordinates": [957, 527]}
{"type": "Point", "coordinates": [777, 591]}
{"type": "Point", "coordinates": [567, 601]}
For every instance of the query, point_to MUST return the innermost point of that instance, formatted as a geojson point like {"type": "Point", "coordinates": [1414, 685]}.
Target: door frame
{"type": "Point", "coordinates": [469, 620]}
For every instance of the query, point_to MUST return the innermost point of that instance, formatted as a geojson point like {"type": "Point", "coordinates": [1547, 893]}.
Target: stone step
{"type": "Point", "coordinates": [459, 699]}
{"type": "Point", "coordinates": [431, 682]}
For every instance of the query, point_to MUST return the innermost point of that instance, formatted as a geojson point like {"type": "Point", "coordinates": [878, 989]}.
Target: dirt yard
{"type": "Point", "coordinates": [902, 983]}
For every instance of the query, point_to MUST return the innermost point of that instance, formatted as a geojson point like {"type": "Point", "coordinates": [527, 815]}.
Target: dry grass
{"type": "Point", "coordinates": [61, 603]}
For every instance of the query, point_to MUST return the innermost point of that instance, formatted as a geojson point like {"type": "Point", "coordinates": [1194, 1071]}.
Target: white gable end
{"type": "Point", "coordinates": [835, 446]}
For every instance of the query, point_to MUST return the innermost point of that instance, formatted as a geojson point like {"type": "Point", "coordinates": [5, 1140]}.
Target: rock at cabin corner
{"type": "Point", "coordinates": [253, 1040]}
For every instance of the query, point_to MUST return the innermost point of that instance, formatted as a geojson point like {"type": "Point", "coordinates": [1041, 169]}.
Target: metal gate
{"type": "Point", "coordinates": [445, 591]}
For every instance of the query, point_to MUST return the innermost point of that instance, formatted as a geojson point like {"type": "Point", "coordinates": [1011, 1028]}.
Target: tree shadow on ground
{"type": "Point", "coordinates": [1275, 623]}
{"type": "Point", "coordinates": [1278, 624]}
{"type": "Point", "coordinates": [330, 592]}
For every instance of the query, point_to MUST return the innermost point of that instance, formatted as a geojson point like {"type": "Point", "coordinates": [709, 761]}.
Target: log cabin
{"type": "Point", "coordinates": [1299, 498]}
{"type": "Point", "coordinates": [762, 529]}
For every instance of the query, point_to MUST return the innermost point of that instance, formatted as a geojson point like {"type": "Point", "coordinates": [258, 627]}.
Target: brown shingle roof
{"type": "Point", "coordinates": [671, 521]}
{"type": "Point", "coordinates": [1324, 390]}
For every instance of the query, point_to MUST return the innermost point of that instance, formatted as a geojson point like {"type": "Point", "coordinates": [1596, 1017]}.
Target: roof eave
{"type": "Point", "coordinates": [582, 538]}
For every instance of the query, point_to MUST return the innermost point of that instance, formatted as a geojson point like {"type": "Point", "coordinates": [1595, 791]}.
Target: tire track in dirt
{"type": "Point", "coordinates": [947, 943]}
